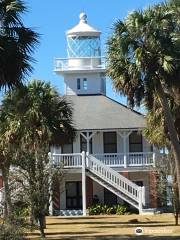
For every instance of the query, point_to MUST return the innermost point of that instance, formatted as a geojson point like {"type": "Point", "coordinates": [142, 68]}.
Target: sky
{"type": "Point", "coordinates": [53, 18]}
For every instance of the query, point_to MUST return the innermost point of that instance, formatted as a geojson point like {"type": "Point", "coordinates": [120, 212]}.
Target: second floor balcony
{"type": "Point", "coordinates": [140, 160]}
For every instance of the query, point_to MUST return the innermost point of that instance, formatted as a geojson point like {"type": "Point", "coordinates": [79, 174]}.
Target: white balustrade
{"type": "Point", "coordinates": [132, 159]}
{"type": "Point", "coordinates": [111, 159]}
{"type": "Point", "coordinates": [139, 159]}
{"type": "Point", "coordinates": [67, 160]}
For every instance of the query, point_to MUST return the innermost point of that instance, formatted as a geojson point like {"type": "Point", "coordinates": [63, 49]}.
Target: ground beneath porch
{"type": "Point", "coordinates": [154, 227]}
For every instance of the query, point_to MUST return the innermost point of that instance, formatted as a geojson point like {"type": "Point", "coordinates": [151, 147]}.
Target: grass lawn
{"type": "Point", "coordinates": [111, 227]}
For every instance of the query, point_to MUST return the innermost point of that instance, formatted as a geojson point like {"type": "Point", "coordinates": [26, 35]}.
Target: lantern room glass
{"type": "Point", "coordinates": [84, 46]}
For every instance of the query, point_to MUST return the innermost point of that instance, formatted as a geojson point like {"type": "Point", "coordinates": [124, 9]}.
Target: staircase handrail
{"type": "Point", "coordinates": [135, 189]}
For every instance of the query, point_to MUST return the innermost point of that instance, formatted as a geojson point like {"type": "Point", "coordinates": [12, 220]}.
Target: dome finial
{"type": "Point", "coordinates": [83, 17]}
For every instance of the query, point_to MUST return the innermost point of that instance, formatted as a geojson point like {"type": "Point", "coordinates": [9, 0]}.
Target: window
{"type": "Point", "coordinates": [135, 142]}
{"type": "Point", "coordinates": [110, 142]}
{"type": "Point", "coordinates": [73, 195]}
{"type": "Point", "coordinates": [78, 83]}
{"type": "Point", "coordinates": [85, 83]}
{"type": "Point", "coordinates": [83, 144]}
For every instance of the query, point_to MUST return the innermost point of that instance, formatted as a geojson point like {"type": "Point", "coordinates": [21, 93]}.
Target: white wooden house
{"type": "Point", "coordinates": [109, 159]}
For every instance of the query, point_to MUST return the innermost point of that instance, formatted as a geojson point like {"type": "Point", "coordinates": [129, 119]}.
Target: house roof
{"type": "Point", "coordinates": [96, 112]}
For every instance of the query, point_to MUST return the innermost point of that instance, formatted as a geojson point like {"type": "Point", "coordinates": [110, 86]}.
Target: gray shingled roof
{"type": "Point", "coordinates": [100, 112]}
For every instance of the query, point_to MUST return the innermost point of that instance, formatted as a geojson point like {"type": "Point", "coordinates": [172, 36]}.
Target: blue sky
{"type": "Point", "coordinates": [52, 18]}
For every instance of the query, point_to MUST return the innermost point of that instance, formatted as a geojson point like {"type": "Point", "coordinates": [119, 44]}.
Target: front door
{"type": "Point", "coordinates": [73, 195]}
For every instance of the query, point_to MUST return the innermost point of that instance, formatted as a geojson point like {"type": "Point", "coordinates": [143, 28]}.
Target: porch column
{"type": "Point", "coordinates": [88, 136]}
{"type": "Point", "coordinates": [84, 183]}
{"type": "Point", "coordinates": [125, 135]}
{"type": "Point", "coordinates": [50, 203]}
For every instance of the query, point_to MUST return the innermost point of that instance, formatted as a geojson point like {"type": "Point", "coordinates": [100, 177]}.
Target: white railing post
{"type": "Point", "coordinates": [84, 183]}
{"type": "Point", "coordinates": [125, 152]}
{"type": "Point", "coordinates": [87, 159]}
{"type": "Point", "coordinates": [125, 160]}
{"type": "Point", "coordinates": [140, 199]}
{"type": "Point", "coordinates": [143, 196]}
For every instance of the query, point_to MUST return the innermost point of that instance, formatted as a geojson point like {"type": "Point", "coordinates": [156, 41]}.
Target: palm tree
{"type": "Point", "coordinates": [144, 59]}
{"type": "Point", "coordinates": [17, 43]}
{"type": "Point", "coordinates": [39, 118]}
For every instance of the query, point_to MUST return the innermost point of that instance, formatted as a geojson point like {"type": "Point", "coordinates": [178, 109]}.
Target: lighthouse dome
{"type": "Point", "coordinates": [83, 28]}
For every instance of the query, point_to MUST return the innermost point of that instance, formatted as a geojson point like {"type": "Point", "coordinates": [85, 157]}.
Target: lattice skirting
{"type": "Point", "coordinates": [68, 212]}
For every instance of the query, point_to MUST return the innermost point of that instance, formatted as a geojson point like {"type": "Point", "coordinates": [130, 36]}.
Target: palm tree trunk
{"type": "Point", "coordinates": [172, 131]}
{"type": "Point", "coordinates": [7, 195]}
{"type": "Point", "coordinates": [42, 223]}
{"type": "Point", "coordinates": [176, 202]}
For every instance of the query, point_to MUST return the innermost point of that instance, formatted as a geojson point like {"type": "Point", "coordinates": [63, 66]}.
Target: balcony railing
{"type": "Point", "coordinates": [120, 160]}
{"type": "Point", "coordinates": [127, 160]}
{"type": "Point", "coordinates": [73, 160]}
{"type": "Point", "coordinates": [79, 63]}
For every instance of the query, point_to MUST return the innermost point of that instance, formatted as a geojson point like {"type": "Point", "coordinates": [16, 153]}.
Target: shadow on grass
{"type": "Point", "coordinates": [134, 225]}
{"type": "Point", "coordinates": [80, 218]}
{"type": "Point", "coordinates": [108, 223]}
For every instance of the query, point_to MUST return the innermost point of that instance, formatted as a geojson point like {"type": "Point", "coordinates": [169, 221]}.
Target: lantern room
{"type": "Point", "coordinates": [83, 40]}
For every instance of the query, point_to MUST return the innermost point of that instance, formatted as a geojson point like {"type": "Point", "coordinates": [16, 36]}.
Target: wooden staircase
{"type": "Point", "coordinates": [115, 182]}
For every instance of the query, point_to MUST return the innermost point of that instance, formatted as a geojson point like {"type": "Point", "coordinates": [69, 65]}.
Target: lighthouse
{"type": "Point", "coordinates": [84, 69]}
{"type": "Point", "coordinates": [108, 159]}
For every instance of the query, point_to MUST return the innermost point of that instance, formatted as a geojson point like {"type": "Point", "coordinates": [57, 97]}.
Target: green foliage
{"type": "Point", "coordinates": [34, 117]}
{"type": "Point", "coordinates": [143, 63]}
{"type": "Point", "coordinates": [17, 44]}
{"type": "Point", "coordinates": [121, 210]}
{"type": "Point", "coordinates": [104, 209]}
{"type": "Point", "coordinates": [21, 210]}
{"type": "Point", "coordinates": [144, 51]}
{"type": "Point", "coordinates": [15, 230]}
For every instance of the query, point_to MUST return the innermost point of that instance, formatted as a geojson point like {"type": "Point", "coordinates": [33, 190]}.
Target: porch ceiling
{"type": "Point", "coordinates": [98, 112]}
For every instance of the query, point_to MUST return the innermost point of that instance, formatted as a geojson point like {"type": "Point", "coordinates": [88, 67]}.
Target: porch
{"type": "Point", "coordinates": [70, 192]}
{"type": "Point", "coordinates": [104, 170]}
